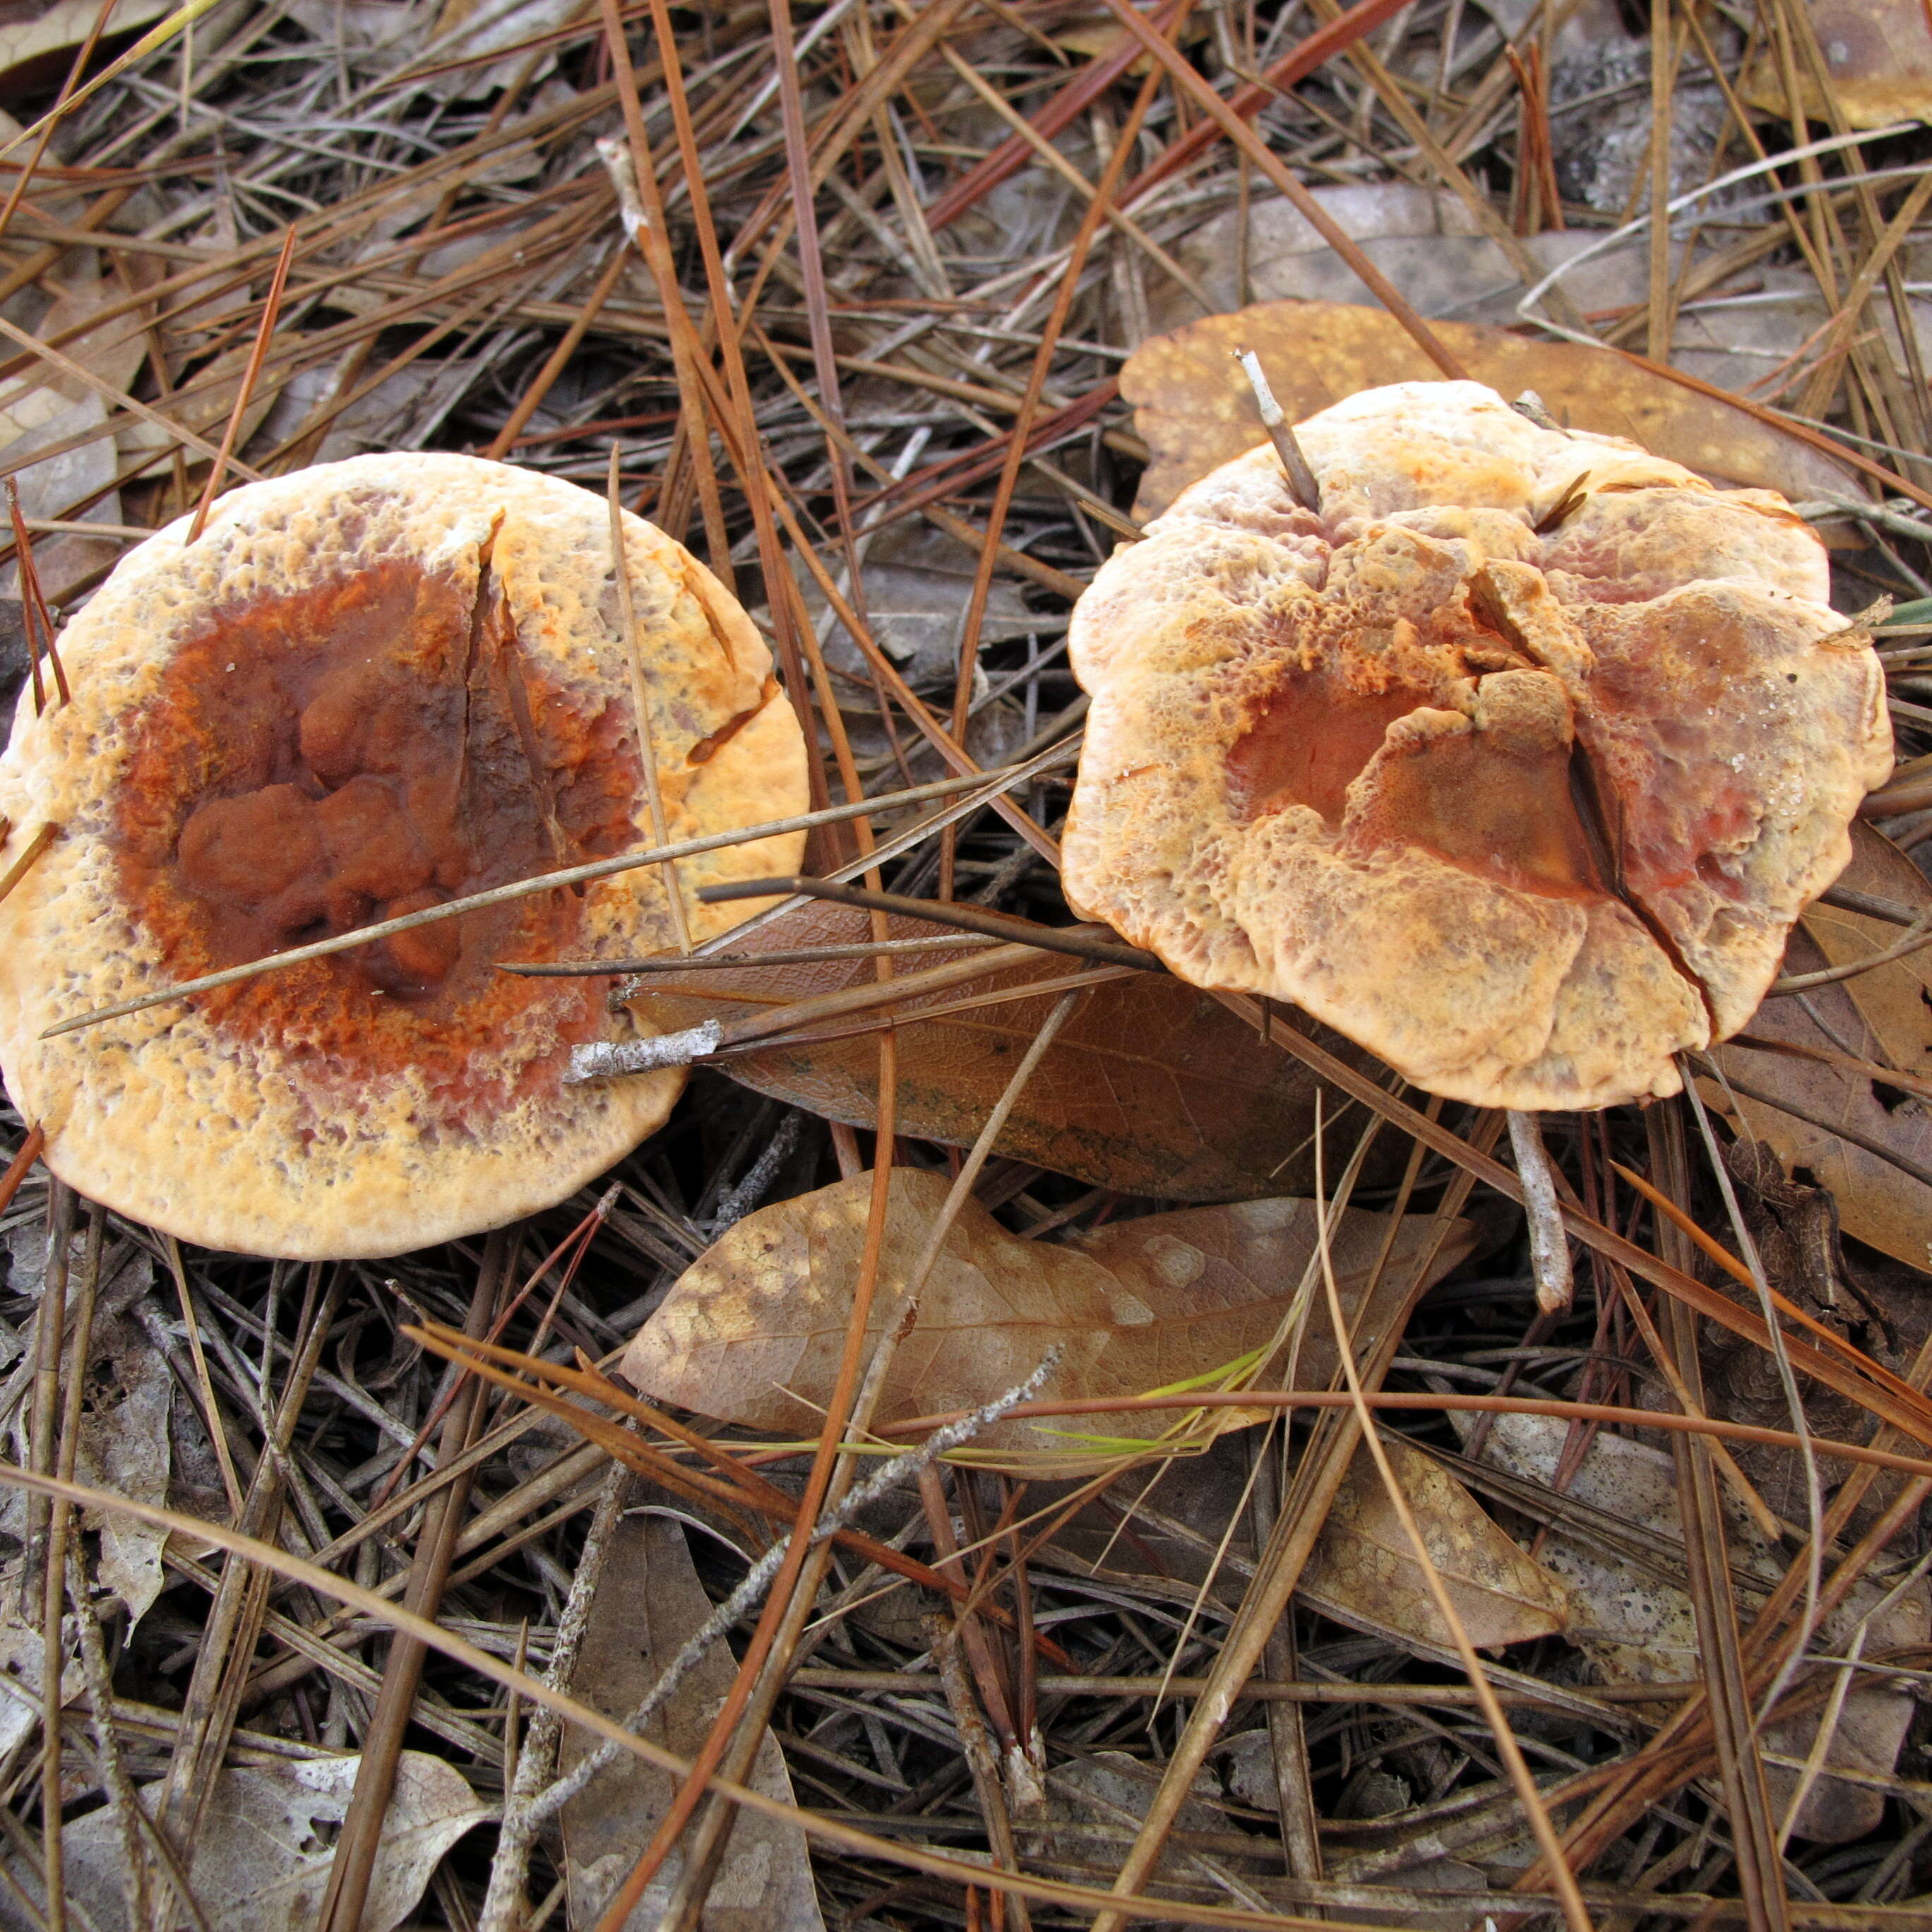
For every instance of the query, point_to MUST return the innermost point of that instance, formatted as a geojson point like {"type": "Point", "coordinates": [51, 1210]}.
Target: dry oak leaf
{"type": "Point", "coordinates": [1196, 411]}
{"type": "Point", "coordinates": [1637, 1626]}
{"type": "Point", "coordinates": [750, 1333]}
{"type": "Point", "coordinates": [1894, 1001]}
{"type": "Point", "coordinates": [1363, 1572]}
{"type": "Point", "coordinates": [1151, 1088]}
{"type": "Point", "coordinates": [1878, 61]}
{"type": "Point", "coordinates": [1884, 1016]}
{"type": "Point", "coordinates": [649, 1603]}
{"type": "Point", "coordinates": [261, 1860]}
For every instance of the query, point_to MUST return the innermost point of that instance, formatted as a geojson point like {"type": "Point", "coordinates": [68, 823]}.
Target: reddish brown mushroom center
{"type": "Point", "coordinates": [314, 763]}
{"type": "Point", "coordinates": [1497, 800]}
{"type": "Point", "coordinates": [1308, 738]}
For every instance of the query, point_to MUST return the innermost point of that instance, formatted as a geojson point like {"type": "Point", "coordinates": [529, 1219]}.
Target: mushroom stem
{"type": "Point", "coordinates": [1549, 1246]}
{"type": "Point", "coordinates": [1301, 483]}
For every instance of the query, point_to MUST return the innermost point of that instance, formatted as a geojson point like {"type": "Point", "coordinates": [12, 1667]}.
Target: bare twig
{"type": "Point", "coordinates": [1301, 483]}
{"type": "Point", "coordinates": [544, 882]}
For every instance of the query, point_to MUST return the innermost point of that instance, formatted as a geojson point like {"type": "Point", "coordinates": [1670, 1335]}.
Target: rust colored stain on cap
{"type": "Point", "coordinates": [369, 688]}
{"type": "Point", "coordinates": [362, 759]}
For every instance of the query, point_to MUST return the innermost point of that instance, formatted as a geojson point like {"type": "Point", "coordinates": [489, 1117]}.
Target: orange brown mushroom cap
{"type": "Point", "coordinates": [369, 687]}
{"type": "Point", "coordinates": [1515, 763]}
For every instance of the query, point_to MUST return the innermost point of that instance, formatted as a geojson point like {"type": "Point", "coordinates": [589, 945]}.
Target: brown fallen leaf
{"type": "Point", "coordinates": [1878, 58]}
{"type": "Point", "coordinates": [1152, 1087]}
{"type": "Point", "coordinates": [1166, 1536]}
{"type": "Point", "coordinates": [1363, 1570]}
{"type": "Point", "coordinates": [1895, 1000]}
{"type": "Point", "coordinates": [1114, 1788]}
{"type": "Point", "coordinates": [261, 1857]}
{"type": "Point", "coordinates": [751, 1331]}
{"type": "Point", "coordinates": [1196, 411]}
{"type": "Point", "coordinates": [1820, 1181]}
{"type": "Point", "coordinates": [124, 1448]}
{"type": "Point", "coordinates": [128, 1424]}
{"type": "Point", "coordinates": [1371, 1796]}
{"type": "Point", "coordinates": [648, 1602]}
{"type": "Point", "coordinates": [360, 24]}
{"type": "Point", "coordinates": [1638, 1626]}
{"type": "Point", "coordinates": [1883, 1015]}
{"type": "Point", "coordinates": [1443, 262]}
{"type": "Point", "coordinates": [207, 405]}
{"type": "Point", "coordinates": [50, 410]}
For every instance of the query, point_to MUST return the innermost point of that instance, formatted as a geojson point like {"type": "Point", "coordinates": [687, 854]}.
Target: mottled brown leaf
{"type": "Point", "coordinates": [1878, 54]}
{"type": "Point", "coordinates": [1894, 1000]}
{"type": "Point", "coordinates": [649, 1603]}
{"type": "Point", "coordinates": [1196, 411]}
{"type": "Point", "coordinates": [262, 1849]}
{"type": "Point", "coordinates": [751, 1332]}
{"type": "Point", "coordinates": [1635, 1621]}
{"type": "Point", "coordinates": [1152, 1087]}
{"type": "Point", "coordinates": [1363, 1571]}
{"type": "Point", "coordinates": [1885, 1016]}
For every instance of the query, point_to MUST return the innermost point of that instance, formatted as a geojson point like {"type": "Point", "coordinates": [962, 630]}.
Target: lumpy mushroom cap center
{"type": "Point", "coordinates": [314, 762]}
{"type": "Point", "coordinates": [1469, 744]}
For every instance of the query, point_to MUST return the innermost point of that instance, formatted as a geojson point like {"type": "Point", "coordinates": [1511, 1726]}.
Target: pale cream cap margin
{"type": "Point", "coordinates": [1472, 989]}
{"type": "Point", "coordinates": [160, 1116]}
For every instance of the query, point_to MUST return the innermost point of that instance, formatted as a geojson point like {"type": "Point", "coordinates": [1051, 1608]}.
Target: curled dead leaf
{"type": "Point", "coordinates": [35, 51]}
{"type": "Point", "coordinates": [750, 1333]}
{"type": "Point", "coordinates": [1151, 1088]}
{"type": "Point", "coordinates": [1635, 1620]}
{"type": "Point", "coordinates": [1884, 1016]}
{"type": "Point", "coordinates": [1363, 1570]}
{"type": "Point", "coordinates": [1196, 411]}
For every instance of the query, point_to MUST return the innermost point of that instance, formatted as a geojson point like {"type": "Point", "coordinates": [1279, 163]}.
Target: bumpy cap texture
{"type": "Point", "coordinates": [368, 687]}
{"type": "Point", "coordinates": [1514, 764]}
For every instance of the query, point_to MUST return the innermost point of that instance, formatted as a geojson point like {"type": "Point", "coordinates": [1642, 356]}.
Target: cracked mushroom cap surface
{"type": "Point", "coordinates": [368, 688]}
{"type": "Point", "coordinates": [1514, 762]}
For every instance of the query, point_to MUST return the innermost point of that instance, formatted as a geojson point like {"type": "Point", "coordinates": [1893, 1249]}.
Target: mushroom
{"type": "Point", "coordinates": [368, 688]}
{"type": "Point", "coordinates": [1514, 760]}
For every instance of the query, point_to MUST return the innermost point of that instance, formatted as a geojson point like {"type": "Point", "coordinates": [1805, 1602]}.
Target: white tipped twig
{"type": "Point", "coordinates": [735, 1203]}
{"type": "Point", "coordinates": [1531, 407]}
{"type": "Point", "coordinates": [1301, 483]}
{"type": "Point", "coordinates": [615, 153]}
{"type": "Point", "coordinates": [1549, 1246]}
{"type": "Point", "coordinates": [604, 1059]}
